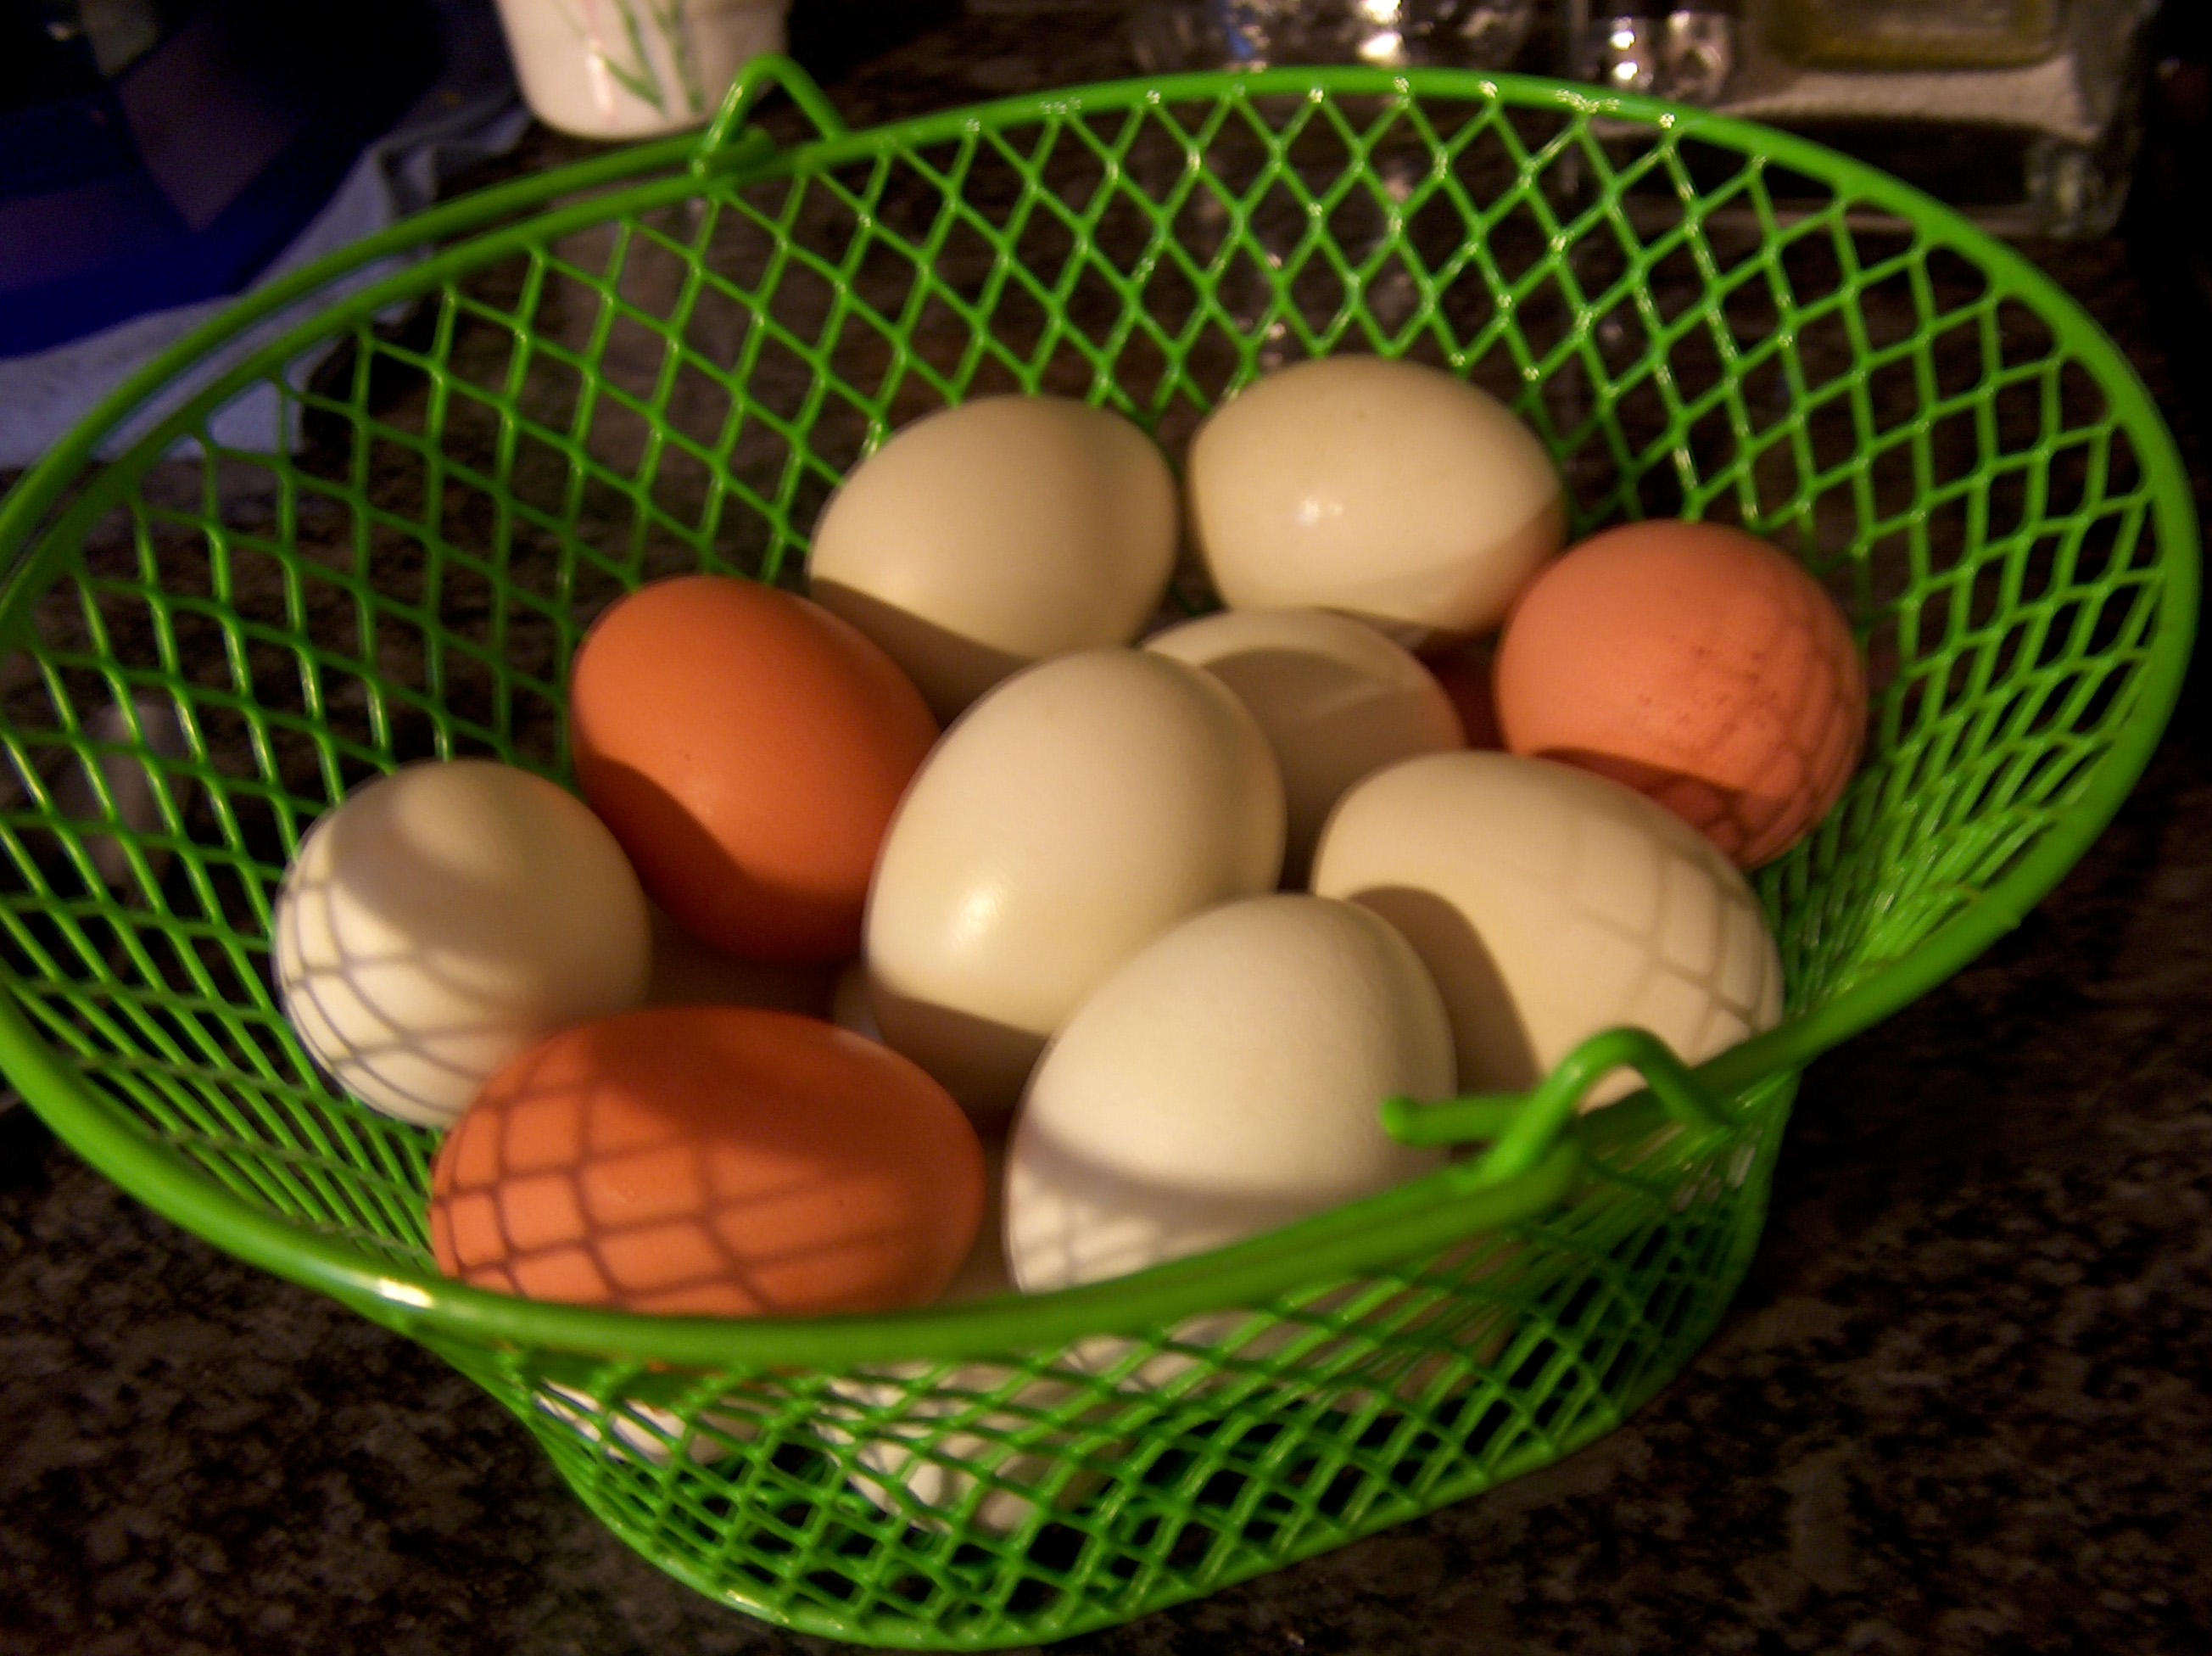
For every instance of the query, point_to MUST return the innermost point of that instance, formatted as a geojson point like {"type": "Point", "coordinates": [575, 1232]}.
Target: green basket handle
{"type": "Point", "coordinates": [770, 72]}
{"type": "Point", "coordinates": [1523, 1128]}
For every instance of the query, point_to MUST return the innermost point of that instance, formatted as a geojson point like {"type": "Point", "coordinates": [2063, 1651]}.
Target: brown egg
{"type": "Point", "coordinates": [747, 748]}
{"type": "Point", "coordinates": [1700, 666]}
{"type": "Point", "coordinates": [710, 1161]}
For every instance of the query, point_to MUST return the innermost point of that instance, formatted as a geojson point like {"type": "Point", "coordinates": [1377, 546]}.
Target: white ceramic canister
{"type": "Point", "coordinates": [631, 69]}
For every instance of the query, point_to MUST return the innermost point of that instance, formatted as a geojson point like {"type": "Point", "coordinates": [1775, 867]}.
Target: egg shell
{"type": "Point", "coordinates": [747, 748]}
{"type": "Point", "coordinates": [1390, 490]}
{"type": "Point", "coordinates": [1336, 698]}
{"type": "Point", "coordinates": [1076, 813]}
{"type": "Point", "coordinates": [723, 1161]}
{"type": "Point", "coordinates": [416, 949]}
{"type": "Point", "coordinates": [1699, 665]}
{"type": "Point", "coordinates": [1549, 903]}
{"type": "Point", "coordinates": [996, 534]}
{"type": "Point", "coordinates": [1222, 1082]}
{"type": "Point", "coordinates": [925, 1436]}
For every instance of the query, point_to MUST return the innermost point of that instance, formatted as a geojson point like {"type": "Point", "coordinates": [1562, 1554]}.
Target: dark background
{"type": "Point", "coordinates": [1963, 1403]}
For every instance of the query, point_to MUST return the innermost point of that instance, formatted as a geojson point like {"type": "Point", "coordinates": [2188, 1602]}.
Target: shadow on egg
{"type": "Point", "coordinates": [1335, 714]}
{"type": "Point", "coordinates": [1075, 1217]}
{"type": "Point", "coordinates": [949, 668]}
{"type": "Point", "coordinates": [709, 891]}
{"type": "Point", "coordinates": [1737, 820]}
{"type": "Point", "coordinates": [1495, 1051]}
{"type": "Point", "coordinates": [411, 1069]}
{"type": "Point", "coordinates": [411, 1030]}
{"type": "Point", "coordinates": [687, 972]}
{"type": "Point", "coordinates": [1333, 701]}
{"type": "Point", "coordinates": [577, 1180]}
{"type": "Point", "coordinates": [983, 1063]}
{"type": "Point", "coordinates": [1467, 676]}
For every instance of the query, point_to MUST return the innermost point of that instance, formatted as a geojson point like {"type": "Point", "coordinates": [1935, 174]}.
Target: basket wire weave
{"type": "Point", "coordinates": [664, 359]}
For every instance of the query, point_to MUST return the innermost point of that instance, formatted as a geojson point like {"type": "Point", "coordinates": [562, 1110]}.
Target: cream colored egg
{"type": "Point", "coordinates": [1072, 815]}
{"type": "Point", "coordinates": [1549, 904]}
{"type": "Point", "coordinates": [1392, 491]}
{"type": "Point", "coordinates": [442, 920]}
{"type": "Point", "coordinates": [1337, 699]}
{"type": "Point", "coordinates": [1225, 1081]}
{"type": "Point", "coordinates": [990, 535]}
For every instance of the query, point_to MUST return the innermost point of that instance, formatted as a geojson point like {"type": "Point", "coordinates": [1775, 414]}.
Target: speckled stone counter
{"type": "Point", "coordinates": [1963, 1405]}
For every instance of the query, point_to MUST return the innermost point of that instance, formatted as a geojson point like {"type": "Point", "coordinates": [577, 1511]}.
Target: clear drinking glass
{"type": "Point", "coordinates": [2019, 113]}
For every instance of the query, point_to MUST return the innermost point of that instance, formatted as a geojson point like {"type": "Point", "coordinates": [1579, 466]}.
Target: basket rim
{"type": "Point", "coordinates": [1435, 1209]}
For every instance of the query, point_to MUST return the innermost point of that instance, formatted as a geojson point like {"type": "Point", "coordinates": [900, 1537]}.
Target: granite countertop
{"type": "Point", "coordinates": [1963, 1403]}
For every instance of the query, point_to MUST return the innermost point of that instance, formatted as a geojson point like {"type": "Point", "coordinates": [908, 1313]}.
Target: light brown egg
{"type": "Point", "coordinates": [1700, 666]}
{"type": "Point", "coordinates": [710, 1161]}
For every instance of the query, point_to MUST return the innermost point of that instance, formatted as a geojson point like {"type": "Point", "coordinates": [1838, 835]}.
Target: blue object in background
{"type": "Point", "coordinates": [182, 176]}
{"type": "Point", "coordinates": [449, 93]}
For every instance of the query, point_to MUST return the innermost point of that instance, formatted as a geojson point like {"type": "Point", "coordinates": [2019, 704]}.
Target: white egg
{"type": "Point", "coordinates": [992, 1443]}
{"type": "Point", "coordinates": [996, 534]}
{"type": "Point", "coordinates": [1069, 818]}
{"type": "Point", "coordinates": [1549, 904]}
{"type": "Point", "coordinates": [445, 918]}
{"type": "Point", "coordinates": [923, 1441]}
{"type": "Point", "coordinates": [1223, 1082]}
{"type": "Point", "coordinates": [1390, 490]}
{"type": "Point", "coordinates": [1337, 699]}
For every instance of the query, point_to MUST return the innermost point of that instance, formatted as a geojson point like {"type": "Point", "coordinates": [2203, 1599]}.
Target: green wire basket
{"type": "Point", "coordinates": [365, 517]}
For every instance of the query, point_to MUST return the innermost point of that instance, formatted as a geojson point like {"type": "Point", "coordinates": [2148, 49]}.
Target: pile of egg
{"type": "Point", "coordinates": [968, 859]}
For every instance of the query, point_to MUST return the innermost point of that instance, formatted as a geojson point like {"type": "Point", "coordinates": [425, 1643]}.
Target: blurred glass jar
{"type": "Point", "coordinates": [2022, 113]}
{"type": "Point", "coordinates": [1180, 35]}
{"type": "Point", "coordinates": [1917, 34]}
{"type": "Point", "coordinates": [1685, 53]}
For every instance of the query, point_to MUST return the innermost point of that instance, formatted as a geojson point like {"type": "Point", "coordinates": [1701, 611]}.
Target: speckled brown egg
{"type": "Point", "coordinates": [1700, 666]}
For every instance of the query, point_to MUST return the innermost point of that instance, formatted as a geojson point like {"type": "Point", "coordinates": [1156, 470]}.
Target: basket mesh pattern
{"type": "Point", "coordinates": [477, 454]}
